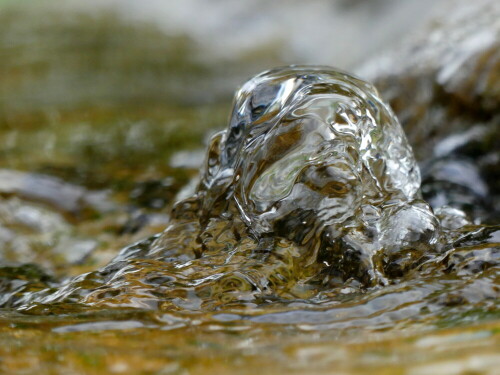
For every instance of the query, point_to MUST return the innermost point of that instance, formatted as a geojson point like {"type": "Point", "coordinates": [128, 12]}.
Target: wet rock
{"type": "Point", "coordinates": [444, 85]}
{"type": "Point", "coordinates": [68, 198]}
{"type": "Point", "coordinates": [32, 233]}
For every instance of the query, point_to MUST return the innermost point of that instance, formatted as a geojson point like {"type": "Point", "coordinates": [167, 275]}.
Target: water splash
{"type": "Point", "coordinates": [314, 155]}
{"type": "Point", "coordinates": [308, 212]}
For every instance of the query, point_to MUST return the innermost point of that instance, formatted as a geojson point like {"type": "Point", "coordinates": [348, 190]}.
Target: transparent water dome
{"type": "Point", "coordinates": [313, 154]}
{"type": "Point", "coordinates": [308, 211]}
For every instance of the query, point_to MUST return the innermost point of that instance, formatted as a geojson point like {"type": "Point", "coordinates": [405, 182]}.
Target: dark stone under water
{"type": "Point", "coordinates": [308, 212]}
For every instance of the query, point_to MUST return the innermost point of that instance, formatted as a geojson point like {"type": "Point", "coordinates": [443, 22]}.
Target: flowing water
{"type": "Point", "coordinates": [306, 243]}
{"type": "Point", "coordinates": [307, 228]}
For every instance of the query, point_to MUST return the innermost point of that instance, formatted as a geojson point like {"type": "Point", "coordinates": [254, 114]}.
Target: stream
{"type": "Point", "coordinates": [162, 215]}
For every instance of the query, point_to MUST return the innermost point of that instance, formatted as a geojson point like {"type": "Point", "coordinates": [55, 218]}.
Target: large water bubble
{"type": "Point", "coordinates": [313, 186]}
{"type": "Point", "coordinates": [313, 155]}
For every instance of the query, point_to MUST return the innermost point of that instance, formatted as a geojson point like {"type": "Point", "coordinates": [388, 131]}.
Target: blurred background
{"type": "Point", "coordinates": [109, 52]}
{"type": "Point", "coordinates": [105, 105]}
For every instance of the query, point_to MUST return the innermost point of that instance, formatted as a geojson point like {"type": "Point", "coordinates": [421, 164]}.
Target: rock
{"type": "Point", "coordinates": [32, 233]}
{"type": "Point", "coordinates": [68, 198]}
{"type": "Point", "coordinates": [444, 86]}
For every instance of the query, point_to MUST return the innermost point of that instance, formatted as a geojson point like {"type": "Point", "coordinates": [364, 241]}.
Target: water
{"type": "Point", "coordinates": [306, 234]}
{"type": "Point", "coordinates": [305, 246]}
{"type": "Point", "coordinates": [308, 215]}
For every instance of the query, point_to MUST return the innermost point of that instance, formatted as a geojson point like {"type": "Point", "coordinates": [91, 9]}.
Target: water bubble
{"type": "Point", "coordinates": [308, 151]}
{"type": "Point", "coordinates": [311, 191]}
